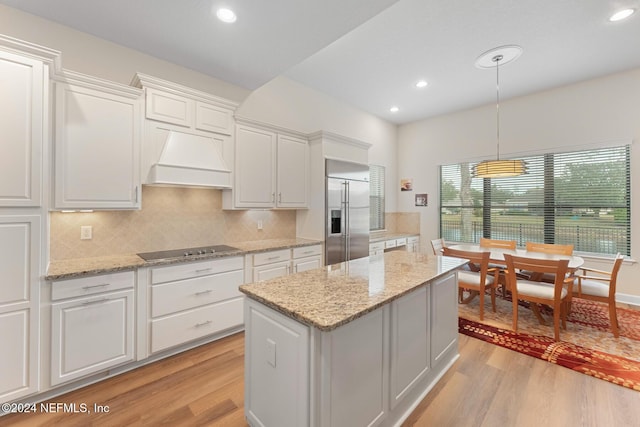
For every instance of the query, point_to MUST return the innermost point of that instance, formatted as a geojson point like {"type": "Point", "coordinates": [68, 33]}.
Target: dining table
{"type": "Point", "coordinates": [496, 257]}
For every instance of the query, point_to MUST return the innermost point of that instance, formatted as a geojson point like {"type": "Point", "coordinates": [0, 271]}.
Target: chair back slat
{"type": "Point", "coordinates": [493, 243]}
{"type": "Point", "coordinates": [550, 248]}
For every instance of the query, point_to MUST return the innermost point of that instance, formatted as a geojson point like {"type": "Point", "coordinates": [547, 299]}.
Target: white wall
{"type": "Point", "coordinates": [600, 111]}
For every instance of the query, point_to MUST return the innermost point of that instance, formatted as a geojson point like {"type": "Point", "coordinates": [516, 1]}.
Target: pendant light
{"type": "Point", "coordinates": [498, 168]}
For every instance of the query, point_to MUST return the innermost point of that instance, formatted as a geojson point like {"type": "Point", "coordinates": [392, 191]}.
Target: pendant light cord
{"type": "Point", "coordinates": [497, 60]}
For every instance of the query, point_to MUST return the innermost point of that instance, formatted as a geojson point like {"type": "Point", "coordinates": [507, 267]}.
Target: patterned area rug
{"type": "Point", "coordinates": [586, 346]}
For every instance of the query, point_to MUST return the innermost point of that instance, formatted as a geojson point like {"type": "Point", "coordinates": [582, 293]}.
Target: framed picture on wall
{"type": "Point", "coordinates": [422, 199]}
{"type": "Point", "coordinates": [406, 184]}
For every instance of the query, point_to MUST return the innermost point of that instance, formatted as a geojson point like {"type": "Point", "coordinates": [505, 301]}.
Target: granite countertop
{"type": "Point", "coordinates": [380, 236]}
{"type": "Point", "coordinates": [73, 268]}
{"type": "Point", "coordinates": [331, 296]}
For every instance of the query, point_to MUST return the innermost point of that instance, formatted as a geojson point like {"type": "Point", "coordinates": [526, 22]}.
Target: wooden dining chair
{"type": "Point", "coordinates": [437, 245]}
{"type": "Point", "coordinates": [556, 295]}
{"type": "Point", "coordinates": [599, 285]}
{"type": "Point", "coordinates": [478, 278]}
{"type": "Point", "coordinates": [547, 248]}
{"type": "Point", "coordinates": [500, 244]}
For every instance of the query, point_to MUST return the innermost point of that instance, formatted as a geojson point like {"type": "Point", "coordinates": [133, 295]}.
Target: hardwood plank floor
{"type": "Point", "coordinates": [488, 386]}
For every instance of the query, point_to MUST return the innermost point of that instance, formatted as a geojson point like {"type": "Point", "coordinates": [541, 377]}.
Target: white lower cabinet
{"type": "Point", "coordinates": [193, 300]}
{"type": "Point", "coordinates": [443, 320]}
{"type": "Point", "coordinates": [413, 244]}
{"type": "Point", "coordinates": [92, 325]}
{"type": "Point", "coordinates": [19, 298]}
{"type": "Point", "coordinates": [272, 264]}
{"type": "Point", "coordinates": [306, 258]}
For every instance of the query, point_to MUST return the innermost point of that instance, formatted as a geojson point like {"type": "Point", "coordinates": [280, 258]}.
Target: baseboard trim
{"type": "Point", "coordinates": [628, 299]}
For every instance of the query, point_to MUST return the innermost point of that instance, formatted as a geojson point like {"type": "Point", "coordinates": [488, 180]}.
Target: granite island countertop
{"type": "Point", "coordinates": [329, 297]}
{"type": "Point", "coordinates": [73, 268]}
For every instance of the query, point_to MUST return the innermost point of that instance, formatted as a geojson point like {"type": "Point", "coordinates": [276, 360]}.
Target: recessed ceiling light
{"type": "Point", "coordinates": [618, 16]}
{"type": "Point", "coordinates": [394, 109]}
{"type": "Point", "coordinates": [421, 83]}
{"type": "Point", "coordinates": [226, 15]}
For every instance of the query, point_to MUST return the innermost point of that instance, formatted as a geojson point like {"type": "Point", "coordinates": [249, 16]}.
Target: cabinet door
{"type": "Point", "coordinates": [169, 108]}
{"type": "Point", "coordinates": [292, 172]}
{"type": "Point", "coordinates": [91, 334]}
{"type": "Point", "coordinates": [211, 118]}
{"type": "Point", "coordinates": [304, 264]}
{"type": "Point", "coordinates": [21, 121]}
{"type": "Point", "coordinates": [270, 271]}
{"type": "Point", "coordinates": [444, 317]}
{"type": "Point", "coordinates": [19, 297]}
{"type": "Point", "coordinates": [410, 337]}
{"type": "Point", "coordinates": [96, 149]}
{"type": "Point", "coordinates": [255, 168]}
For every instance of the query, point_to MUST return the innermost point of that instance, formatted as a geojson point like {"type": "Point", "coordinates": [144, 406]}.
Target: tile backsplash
{"type": "Point", "coordinates": [171, 217]}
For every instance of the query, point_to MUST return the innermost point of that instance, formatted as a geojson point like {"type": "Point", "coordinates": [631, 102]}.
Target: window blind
{"type": "Point", "coordinates": [376, 197]}
{"type": "Point", "coordinates": [580, 198]}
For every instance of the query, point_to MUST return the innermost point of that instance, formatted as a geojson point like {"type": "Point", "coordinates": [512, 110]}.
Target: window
{"type": "Point", "coordinates": [580, 198]}
{"type": "Point", "coordinates": [376, 197]}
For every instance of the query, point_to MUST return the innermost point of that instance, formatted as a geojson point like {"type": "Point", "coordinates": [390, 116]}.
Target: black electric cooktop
{"type": "Point", "coordinates": [186, 252]}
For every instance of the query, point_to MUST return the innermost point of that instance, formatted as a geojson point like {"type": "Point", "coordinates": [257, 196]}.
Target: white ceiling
{"type": "Point", "coordinates": [370, 53]}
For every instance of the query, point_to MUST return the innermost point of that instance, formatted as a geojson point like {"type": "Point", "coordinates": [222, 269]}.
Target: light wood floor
{"type": "Point", "coordinates": [488, 386]}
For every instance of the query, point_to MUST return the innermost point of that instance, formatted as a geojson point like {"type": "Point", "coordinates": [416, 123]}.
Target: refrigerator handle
{"type": "Point", "coordinates": [347, 221]}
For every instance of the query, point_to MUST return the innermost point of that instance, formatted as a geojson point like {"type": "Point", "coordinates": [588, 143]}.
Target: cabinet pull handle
{"type": "Point", "coordinates": [199, 325]}
{"type": "Point", "coordinates": [273, 257]}
{"type": "Point", "coordinates": [102, 285]}
{"type": "Point", "coordinates": [280, 197]}
{"type": "Point", "coordinates": [98, 301]}
{"type": "Point", "coordinates": [136, 191]}
{"type": "Point", "coordinates": [203, 270]}
{"type": "Point", "coordinates": [307, 252]}
{"type": "Point", "coordinates": [208, 291]}
{"type": "Point", "coordinates": [273, 197]}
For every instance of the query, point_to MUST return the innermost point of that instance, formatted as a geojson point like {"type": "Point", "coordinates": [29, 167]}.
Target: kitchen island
{"type": "Point", "coordinates": [352, 344]}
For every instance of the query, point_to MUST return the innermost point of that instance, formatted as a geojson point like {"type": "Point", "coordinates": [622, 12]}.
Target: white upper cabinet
{"type": "Point", "coordinates": [271, 170]}
{"type": "Point", "coordinates": [292, 172]}
{"type": "Point", "coordinates": [255, 168]}
{"type": "Point", "coordinates": [196, 126]}
{"type": "Point", "coordinates": [97, 144]}
{"type": "Point", "coordinates": [21, 121]}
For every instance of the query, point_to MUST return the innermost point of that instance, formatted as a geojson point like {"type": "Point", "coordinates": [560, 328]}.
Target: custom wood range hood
{"type": "Point", "coordinates": [190, 160]}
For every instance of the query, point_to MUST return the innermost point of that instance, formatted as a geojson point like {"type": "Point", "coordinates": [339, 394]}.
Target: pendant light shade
{"type": "Point", "coordinates": [499, 168]}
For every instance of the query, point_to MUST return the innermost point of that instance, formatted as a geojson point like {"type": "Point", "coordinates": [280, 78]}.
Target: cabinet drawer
{"type": "Point", "coordinates": [195, 269]}
{"type": "Point", "coordinates": [307, 251]}
{"type": "Point", "coordinates": [168, 108]}
{"type": "Point", "coordinates": [271, 271]}
{"type": "Point", "coordinates": [390, 244]}
{"type": "Point", "coordinates": [413, 239]}
{"type": "Point", "coordinates": [377, 246]}
{"type": "Point", "coordinates": [191, 293]}
{"type": "Point", "coordinates": [193, 324]}
{"type": "Point", "coordinates": [273, 256]}
{"type": "Point", "coordinates": [401, 242]}
{"type": "Point", "coordinates": [91, 285]}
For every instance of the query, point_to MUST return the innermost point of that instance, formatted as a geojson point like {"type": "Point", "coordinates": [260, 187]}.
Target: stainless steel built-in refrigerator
{"type": "Point", "coordinates": [347, 211]}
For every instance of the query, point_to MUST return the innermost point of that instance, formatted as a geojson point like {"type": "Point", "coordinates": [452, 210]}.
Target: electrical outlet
{"type": "Point", "coordinates": [259, 224]}
{"type": "Point", "coordinates": [86, 232]}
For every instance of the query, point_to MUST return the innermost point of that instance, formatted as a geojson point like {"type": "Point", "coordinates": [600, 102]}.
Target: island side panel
{"type": "Point", "coordinates": [276, 368]}
{"type": "Point", "coordinates": [354, 372]}
{"type": "Point", "coordinates": [444, 319]}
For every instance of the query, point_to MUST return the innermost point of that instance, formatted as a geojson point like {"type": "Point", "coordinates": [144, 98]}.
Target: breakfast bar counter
{"type": "Point", "coordinates": [352, 344]}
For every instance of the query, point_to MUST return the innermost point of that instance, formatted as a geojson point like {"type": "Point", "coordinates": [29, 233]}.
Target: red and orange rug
{"type": "Point", "coordinates": [586, 346]}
